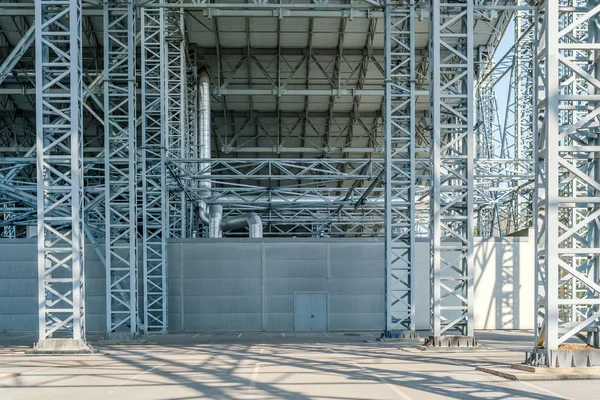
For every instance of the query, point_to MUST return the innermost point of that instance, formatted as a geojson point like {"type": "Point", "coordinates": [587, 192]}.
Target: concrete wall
{"type": "Point", "coordinates": [246, 284]}
{"type": "Point", "coordinates": [504, 276]}
{"type": "Point", "coordinates": [249, 284]}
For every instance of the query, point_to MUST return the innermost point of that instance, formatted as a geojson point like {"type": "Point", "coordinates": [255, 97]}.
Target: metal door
{"type": "Point", "coordinates": [310, 312]}
{"type": "Point", "coordinates": [302, 312]}
{"type": "Point", "coordinates": [318, 312]}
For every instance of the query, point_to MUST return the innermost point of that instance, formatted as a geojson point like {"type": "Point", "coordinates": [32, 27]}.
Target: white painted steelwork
{"type": "Point", "coordinates": [153, 170]}
{"type": "Point", "coordinates": [59, 168]}
{"type": "Point", "coordinates": [452, 151]}
{"type": "Point", "coordinates": [120, 167]}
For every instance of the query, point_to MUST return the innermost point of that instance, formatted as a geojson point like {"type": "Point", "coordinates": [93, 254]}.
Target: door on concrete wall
{"type": "Point", "coordinates": [310, 312]}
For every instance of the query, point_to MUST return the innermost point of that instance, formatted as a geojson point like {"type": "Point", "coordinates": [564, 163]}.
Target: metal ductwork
{"type": "Point", "coordinates": [217, 226]}
{"type": "Point", "coordinates": [204, 143]}
{"type": "Point", "coordinates": [214, 215]}
{"type": "Point", "coordinates": [250, 220]}
{"type": "Point", "coordinates": [215, 220]}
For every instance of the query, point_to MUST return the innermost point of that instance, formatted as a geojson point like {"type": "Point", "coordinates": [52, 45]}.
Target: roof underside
{"type": "Point", "coordinates": [249, 52]}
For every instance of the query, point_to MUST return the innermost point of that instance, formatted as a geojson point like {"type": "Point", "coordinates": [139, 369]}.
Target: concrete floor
{"type": "Point", "coordinates": [274, 366]}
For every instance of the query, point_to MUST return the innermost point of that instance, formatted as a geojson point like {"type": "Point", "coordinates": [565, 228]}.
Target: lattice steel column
{"type": "Point", "coordinates": [524, 113]}
{"type": "Point", "coordinates": [59, 168]}
{"type": "Point", "coordinates": [154, 185]}
{"type": "Point", "coordinates": [176, 104]}
{"type": "Point", "coordinates": [191, 140]}
{"type": "Point", "coordinates": [120, 147]}
{"type": "Point", "coordinates": [567, 202]}
{"type": "Point", "coordinates": [10, 230]}
{"type": "Point", "coordinates": [452, 151]}
{"type": "Point", "coordinates": [399, 168]}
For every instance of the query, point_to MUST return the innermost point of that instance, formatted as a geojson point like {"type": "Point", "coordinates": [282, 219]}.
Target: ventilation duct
{"type": "Point", "coordinates": [215, 220]}
{"type": "Point", "coordinates": [204, 129]}
{"type": "Point", "coordinates": [204, 144]}
{"type": "Point", "coordinates": [250, 220]}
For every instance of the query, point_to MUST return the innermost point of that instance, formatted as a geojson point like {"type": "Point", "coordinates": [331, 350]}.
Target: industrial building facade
{"type": "Point", "coordinates": [142, 139]}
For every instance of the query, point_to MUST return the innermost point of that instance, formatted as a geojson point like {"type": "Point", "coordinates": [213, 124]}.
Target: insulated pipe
{"type": "Point", "coordinates": [215, 220]}
{"type": "Point", "coordinates": [250, 220]}
{"type": "Point", "coordinates": [203, 141]}
{"type": "Point", "coordinates": [204, 128]}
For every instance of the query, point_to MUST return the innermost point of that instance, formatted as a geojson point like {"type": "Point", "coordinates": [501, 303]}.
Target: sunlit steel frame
{"type": "Point", "coordinates": [59, 139]}
{"type": "Point", "coordinates": [176, 106]}
{"type": "Point", "coordinates": [153, 169]}
{"type": "Point", "coordinates": [120, 146]}
{"type": "Point", "coordinates": [452, 155]}
{"type": "Point", "coordinates": [400, 193]}
{"type": "Point", "coordinates": [566, 201]}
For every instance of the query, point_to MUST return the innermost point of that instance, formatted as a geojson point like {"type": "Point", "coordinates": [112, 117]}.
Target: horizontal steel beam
{"type": "Point", "coordinates": [317, 150]}
{"type": "Point", "coordinates": [297, 92]}
{"type": "Point", "coordinates": [284, 51]}
{"type": "Point", "coordinates": [250, 92]}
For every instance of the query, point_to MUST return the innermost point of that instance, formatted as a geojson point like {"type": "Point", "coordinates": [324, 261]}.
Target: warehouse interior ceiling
{"type": "Point", "coordinates": [284, 86]}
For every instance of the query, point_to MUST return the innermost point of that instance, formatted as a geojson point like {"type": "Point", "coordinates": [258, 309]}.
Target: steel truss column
{"type": "Point", "coordinates": [452, 151]}
{"type": "Point", "coordinates": [120, 166]}
{"type": "Point", "coordinates": [191, 139]}
{"type": "Point", "coordinates": [176, 103]}
{"type": "Point", "coordinates": [7, 209]}
{"type": "Point", "coordinates": [524, 112]}
{"type": "Point", "coordinates": [154, 185]}
{"type": "Point", "coordinates": [399, 167]}
{"type": "Point", "coordinates": [59, 168]}
{"type": "Point", "coordinates": [567, 176]}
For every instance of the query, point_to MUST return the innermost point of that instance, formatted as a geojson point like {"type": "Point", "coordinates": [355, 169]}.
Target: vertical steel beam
{"type": "Point", "coordinates": [17, 52]}
{"type": "Point", "coordinates": [191, 139]}
{"type": "Point", "coordinates": [8, 231]}
{"type": "Point", "coordinates": [176, 102]}
{"type": "Point", "coordinates": [524, 113]}
{"type": "Point", "coordinates": [59, 139]}
{"type": "Point", "coordinates": [399, 167]}
{"type": "Point", "coordinates": [120, 167]}
{"type": "Point", "coordinates": [154, 183]}
{"type": "Point", "coordinates": [452, 150]}
{"type": "Point", "coordinates": [567, 182]}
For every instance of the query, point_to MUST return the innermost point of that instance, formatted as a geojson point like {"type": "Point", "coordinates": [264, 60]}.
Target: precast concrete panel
{"type": "Point", "coordinates": [249, 284]}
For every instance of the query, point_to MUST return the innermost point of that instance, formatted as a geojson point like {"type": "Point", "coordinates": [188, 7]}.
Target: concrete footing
{"type": "Point", "coordinates": [400, 336]}
{"type": "Point", "coordinates": [116, 338]}
{"type": "Point", "coordinates": [522, 372]}
{"type": "Point", "coordinates": [452, 341]}
{"type": "Point", "coordinates": [61, 346]}
{"type": "Point", "coordinates": [451, 344]}
{"type": "Point", "coordinates": [563, 358]}
{"type": "Point", "coordinates": [121, 336]}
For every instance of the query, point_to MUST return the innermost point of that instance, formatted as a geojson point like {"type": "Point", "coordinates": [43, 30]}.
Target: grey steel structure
{"type": "Point", "coordinates": [452, 157]}
{"type": "Point", "coordinates": [59, 180]}
{"type": "Point", "coordinates": [326, 118]}
{"type": "Point", "coordinates": [153, 169]}
{"type": "Point", "coordinates": [400, 196]}
{"type": "Point", "coordinates": [120, 167]}
{"type": "Point", "coordinates": [566, 201]}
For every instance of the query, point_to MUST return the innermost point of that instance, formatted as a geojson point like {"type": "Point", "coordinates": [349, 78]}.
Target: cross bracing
{"type": "Point", "coordinates": [120, 167]}
{"type": "Point", "coordinates": [298, 128]}
{"type": "Point", "coordinates": [566, 199]}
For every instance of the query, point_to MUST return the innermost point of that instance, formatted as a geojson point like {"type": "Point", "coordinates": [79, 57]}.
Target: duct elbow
{"type": "Point", "coordinates": [215, 221]}
{"type": "Point", "coordinates": [203, 76]}
{"type": "Point", "coordinates": [255, 225]}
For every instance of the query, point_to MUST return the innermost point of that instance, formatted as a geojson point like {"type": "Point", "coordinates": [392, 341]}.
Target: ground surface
{"type": "Point", "coordinates": [273, 366]}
